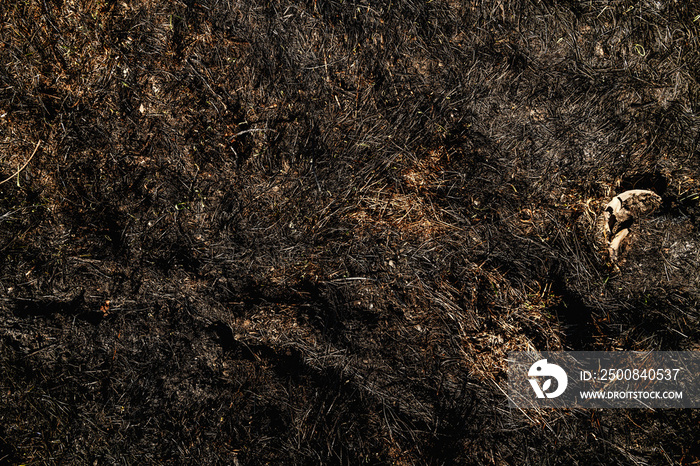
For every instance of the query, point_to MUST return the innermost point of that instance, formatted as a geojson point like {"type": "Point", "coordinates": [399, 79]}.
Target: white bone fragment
{"type": "Point", "coordinates": [622, 211]}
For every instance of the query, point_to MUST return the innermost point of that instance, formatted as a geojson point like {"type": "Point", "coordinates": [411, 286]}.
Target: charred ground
{"type": "Point", "coordinates": [310, 232]}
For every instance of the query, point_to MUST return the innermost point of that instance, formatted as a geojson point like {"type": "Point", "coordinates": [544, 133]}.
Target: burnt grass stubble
{"type": "Point", "coordinates": [310, 232]}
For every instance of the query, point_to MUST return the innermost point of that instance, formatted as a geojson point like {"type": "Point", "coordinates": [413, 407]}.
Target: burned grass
{"type": "Point", "coordinates": [310, 232]}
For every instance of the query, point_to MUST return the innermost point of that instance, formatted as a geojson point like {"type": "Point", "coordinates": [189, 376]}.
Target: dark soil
{"type": "Point", "coordinates": [310, 232]}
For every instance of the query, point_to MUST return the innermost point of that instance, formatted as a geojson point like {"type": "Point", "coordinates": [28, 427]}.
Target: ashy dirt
{"type": "Point", "coordinates": [278, 232]}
